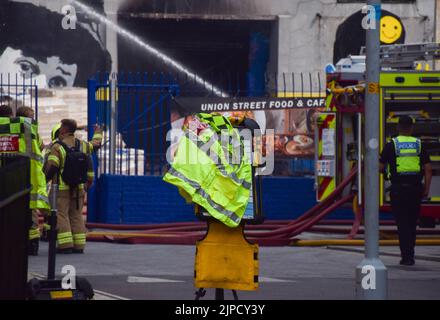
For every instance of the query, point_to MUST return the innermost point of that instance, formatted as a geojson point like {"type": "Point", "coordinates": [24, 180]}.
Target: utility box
{"type": "Point", "coordinates": [15, 219]}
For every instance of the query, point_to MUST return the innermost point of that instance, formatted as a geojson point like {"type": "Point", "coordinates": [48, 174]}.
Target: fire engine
{"type": "Point", "coordinates": [406, 88]}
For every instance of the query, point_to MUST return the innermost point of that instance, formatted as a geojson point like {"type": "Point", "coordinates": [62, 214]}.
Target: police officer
{"type": "Point", "coordinates": [408, 161]}
{"type": "Point", "coordinates": [71, 229]}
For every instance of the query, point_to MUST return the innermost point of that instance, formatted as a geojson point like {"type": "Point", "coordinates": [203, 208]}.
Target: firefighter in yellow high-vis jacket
{"type": "Point", "coordinates": [34, 230]}
{"type": "Point", "coordinates": [70, 167]}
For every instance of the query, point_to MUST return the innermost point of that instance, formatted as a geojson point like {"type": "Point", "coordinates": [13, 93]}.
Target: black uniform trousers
{"type": "Point", "coordinates": [405, 203]}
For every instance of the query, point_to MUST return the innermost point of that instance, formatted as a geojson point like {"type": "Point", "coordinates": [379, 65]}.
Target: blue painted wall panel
{"type": "Point", "coordinates": [137, 200]}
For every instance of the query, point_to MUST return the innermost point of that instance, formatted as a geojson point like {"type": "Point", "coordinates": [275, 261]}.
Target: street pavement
{"type": "Point", "coordinates": [165, 272]}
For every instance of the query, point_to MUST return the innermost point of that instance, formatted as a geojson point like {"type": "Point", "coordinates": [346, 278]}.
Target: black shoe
{"type": "Point", "coordinates": [407, 262]}
{"type": "Point", "coordinates": [80, 251]}
{"type": "Point", "coordinates": [64, 251]}
{"type": "Point", "coordinates": [33, 247]}
{"type": "Point", "coordinates": [44, 236]}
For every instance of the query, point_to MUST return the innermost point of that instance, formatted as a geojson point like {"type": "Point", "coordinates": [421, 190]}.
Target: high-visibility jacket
{"type": "Point", "coordinates": [20, 135]}
{"type": "Point", "coordinates": [205, 174]}
{"type": "Point", "coordinates": [408, 151]}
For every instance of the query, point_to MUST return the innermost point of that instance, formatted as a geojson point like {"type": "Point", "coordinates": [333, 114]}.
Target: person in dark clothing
{"type": "Point", "coordinates": [5, 111]}
{"type": "Point", "coordinates": [408, 163]}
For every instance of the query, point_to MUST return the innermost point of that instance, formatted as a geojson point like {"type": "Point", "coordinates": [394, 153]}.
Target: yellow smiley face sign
{"type": "Point", "coordinates": [390, 29]}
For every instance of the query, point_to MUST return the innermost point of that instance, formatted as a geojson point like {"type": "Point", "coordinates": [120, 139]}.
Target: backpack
{"type": "Point", "coordinates": [75, 165]}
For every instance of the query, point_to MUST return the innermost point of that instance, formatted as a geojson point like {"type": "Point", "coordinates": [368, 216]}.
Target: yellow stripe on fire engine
{"type": "Point", "coordinates": [328, 102]}
{"type": "Point", "coordinates": [330, 182]}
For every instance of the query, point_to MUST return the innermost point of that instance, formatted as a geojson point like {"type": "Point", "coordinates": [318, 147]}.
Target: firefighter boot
{"type": "Point", "coordinates": [33, 247]}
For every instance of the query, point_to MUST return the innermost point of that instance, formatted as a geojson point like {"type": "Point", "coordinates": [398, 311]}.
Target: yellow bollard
{"type": "Point", "coordinates": [225, 259]}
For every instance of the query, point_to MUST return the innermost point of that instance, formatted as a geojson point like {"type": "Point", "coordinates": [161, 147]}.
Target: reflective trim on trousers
{"type": "Point", "coordinates": [64, 238]}
{"type": "Point", "coordinates": [231, 215]}
{"type": "Point", "coordinates": [79, 238]}
{"type": "Point", "coordinates": [34, 234]}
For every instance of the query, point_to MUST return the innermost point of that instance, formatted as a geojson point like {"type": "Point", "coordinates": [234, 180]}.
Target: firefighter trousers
{"type": "Point", "coordinates": [70, 224]}
{"type": "Point", "coordinates": [34, 230]}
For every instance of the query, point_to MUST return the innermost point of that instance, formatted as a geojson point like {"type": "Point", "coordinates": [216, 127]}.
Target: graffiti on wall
{"type": "Point", "coordinates": [34, 44]}
{"type": "Point", "coordinates": [350, 36]}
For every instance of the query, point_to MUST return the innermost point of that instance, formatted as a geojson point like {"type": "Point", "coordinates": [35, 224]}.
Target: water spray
{"type": "Point", "coordinates": [157, 53]}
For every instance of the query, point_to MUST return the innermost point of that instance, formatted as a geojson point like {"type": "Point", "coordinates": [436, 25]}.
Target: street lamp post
{"type": "Point", "coordinates": [371, 273]}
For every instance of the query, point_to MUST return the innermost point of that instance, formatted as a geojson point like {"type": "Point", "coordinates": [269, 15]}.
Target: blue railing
{"type": "Point", "coordinates": [17, 90]}
{"type": "Point", "coordinates": [143, 105]}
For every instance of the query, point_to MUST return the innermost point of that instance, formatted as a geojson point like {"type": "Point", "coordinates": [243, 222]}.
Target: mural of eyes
{"type": "Point", "coordinates": [58, 74]}
{"type": "Point", "coordinates": [57, 82]}
{"type": "Point", "coordinates": [27, 67]}
{"type": "Point", "coordinates": [390, 29]}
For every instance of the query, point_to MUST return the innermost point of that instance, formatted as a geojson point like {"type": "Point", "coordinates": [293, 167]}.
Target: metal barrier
{"type": "Point", "coordinates": [15, 219]}
{"type": "Point", "coordinates": [17, 90]}
{"type": "Point", "coordinates": [135, 135]}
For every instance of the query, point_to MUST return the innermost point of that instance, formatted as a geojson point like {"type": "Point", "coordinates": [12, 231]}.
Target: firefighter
{"type": "Point", "coordinates": [46, 151]}
{"type": "Point", "coordinates": [34, 230]}
{"type": "Point", "coordinates": [21, 134]}
{"type": "Point", "coordinates": [71, 236]}
{"type": "Point", "coordinates": [407, 159]}
{"type": "Point", "coordinates": [94, 145]}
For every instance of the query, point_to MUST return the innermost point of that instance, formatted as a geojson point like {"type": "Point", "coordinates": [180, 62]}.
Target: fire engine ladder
{"type": "Point", "coordinates": [404, 56]}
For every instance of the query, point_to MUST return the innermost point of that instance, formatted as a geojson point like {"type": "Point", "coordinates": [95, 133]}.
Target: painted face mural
{"type": "Point", "coordinates": [350, 36]}
{"type": "Point", "coordinates": [52, 73]}
{"type": "Point", "coordinates": [34, 44]}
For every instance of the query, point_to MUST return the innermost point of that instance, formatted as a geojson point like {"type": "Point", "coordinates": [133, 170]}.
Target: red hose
{"type": "Point", "coordinates": [326, 212]}
{"type": "Point", "coordinates": [292, 231]}
{"type": "Point", "coordinates": [93, 225]}
{"type": "Point", "coordinates": [297, 223]}
{"type": "Point", "coordinates": [268, 224]}
{"type": "Point", "coordinates": [189, 232]}
{"type": "Point", "coordinates": [338, 190]}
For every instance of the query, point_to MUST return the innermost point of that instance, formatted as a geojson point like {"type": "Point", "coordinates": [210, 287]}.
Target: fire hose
{"type": "Point", "coordinates": [185, 233]}
{"type": "Point", "coordinates": [271, 233]}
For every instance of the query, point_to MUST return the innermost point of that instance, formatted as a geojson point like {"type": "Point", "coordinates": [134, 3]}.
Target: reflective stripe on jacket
{"type": "Point", "coordinates": [26, 132]}
{"type": "Point", "coordinates": [204, 173]}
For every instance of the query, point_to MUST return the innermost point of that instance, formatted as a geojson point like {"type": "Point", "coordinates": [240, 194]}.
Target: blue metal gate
{"type": "Point", "coordinates": [142, 111]}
